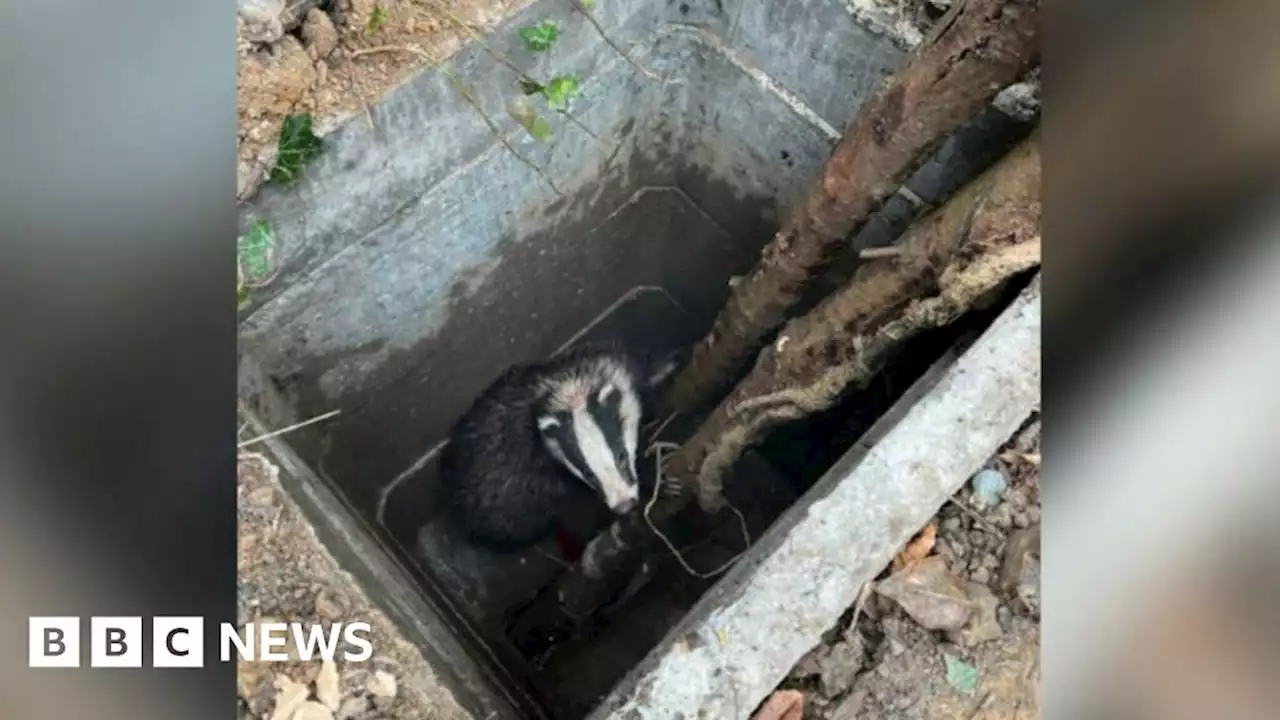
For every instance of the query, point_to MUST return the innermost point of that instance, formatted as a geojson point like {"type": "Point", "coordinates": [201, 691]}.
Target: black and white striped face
{"type": "Point", "coordinates": [591, 426]}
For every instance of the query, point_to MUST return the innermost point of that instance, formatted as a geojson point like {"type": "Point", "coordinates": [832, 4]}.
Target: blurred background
{"type": "Point", "coordinates": [1162, 125]}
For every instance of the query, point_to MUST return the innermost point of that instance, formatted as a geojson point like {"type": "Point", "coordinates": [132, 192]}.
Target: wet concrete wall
{"type": "Point", "coordinates": [419, 261]}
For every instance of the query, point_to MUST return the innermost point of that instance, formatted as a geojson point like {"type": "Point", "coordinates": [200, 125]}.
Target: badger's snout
{"type": "Point", "coordinates": [620, 491]}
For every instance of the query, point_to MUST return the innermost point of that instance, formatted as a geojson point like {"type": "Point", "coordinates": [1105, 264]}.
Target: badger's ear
{"type": "Point", "coordinates": [547, 422]}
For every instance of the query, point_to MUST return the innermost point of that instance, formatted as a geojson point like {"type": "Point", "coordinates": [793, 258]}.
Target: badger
{"type": "Point", "coordinates": [544, 432]}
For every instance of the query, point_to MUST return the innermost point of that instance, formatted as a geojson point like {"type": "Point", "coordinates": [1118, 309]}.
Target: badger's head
{"type": "Point", "coordinates": [589, 420]}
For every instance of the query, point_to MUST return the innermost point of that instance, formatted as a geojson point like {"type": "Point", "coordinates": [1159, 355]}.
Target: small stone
{"type": "Point", "coordinates": [1020, 572]}
{"type": "Point", "coordinates": [318, 33]}
{"type": "Point", "coordinates": [331, 605]}
{"type": "Point", "coordinates": [1021, 520]}
{"type": "Point", "coordinates": [1016, 497]}
{"type": "Point", "coordinates": [981, 575]}
{"type": "Point", "coordinates": [958, 550]}
{"type": "Point", "coordinates": [977, 538]}
{"type": "Point", "coordinates": [840, 666]}
{"type": "Point", "coordinates": [1033, 515]}
{"type": "Point", "coordinates": [354, 681]}
{"type": "Point", "coordinates": [1002, 517]}
{"type": "Point", "coordinates": [353, 707]}
{"type": "Point", "coordinates": [327, 690]}
{"type": "Point", "coordinates": [951, 524]}
{"type": "Point", "coordinates": [382, 684]}
{"type": "Point", "coordinates": [988, 486]}
{"type": "Point", "coordinates": [260, 497]}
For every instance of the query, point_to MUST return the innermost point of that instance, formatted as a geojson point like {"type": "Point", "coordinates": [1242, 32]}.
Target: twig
{"type": "Point", "coordinates": [484, 45]}
{"type": "Point", "coordinates": [291, 428]}
{"type": "Point", "coordinates": [466, 96]}
{"type": "Point", "coordinates": [653, 498]}
{"type": "Point", "coordinates": [873, 253]}
{"type": "Point", "coordinates": [981, 704]}
{"type": "Point", "coordinates": [661, 426]}
{"type": "Point", "coordinates": [577, 4]}
{"type": "Point", "coordinates": [976, 517]}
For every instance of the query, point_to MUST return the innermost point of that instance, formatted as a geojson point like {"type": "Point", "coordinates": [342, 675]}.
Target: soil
{"type": "Point", "coordinates": [311, 68]}
{"type": "Point", "coordinates": [286, 575]}
{"type": "Point", "coordinates": [886, 664]}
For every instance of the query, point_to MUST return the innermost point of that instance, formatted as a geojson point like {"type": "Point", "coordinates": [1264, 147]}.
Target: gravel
{"type": "Point", "coordinates": [286, 575]}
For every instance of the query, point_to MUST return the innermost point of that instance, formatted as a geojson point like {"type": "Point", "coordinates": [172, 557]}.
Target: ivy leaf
{"type": "Point", "coordinates": [530, 87]}
{"type": "Point", "coordinates": [242, 296]}
{"type": "Point", "coordinates": [560, 90]}
{"type": "Point", "coordinates": [376, 20]}
{"type": "Point", "coordinates": [254, 253]}
{"type": "Point", "coordinates": [298, 146]}
{"type": "Point", "coordinates": [541, 130]}
{"type": "Point", "coordinates": [540, 37]}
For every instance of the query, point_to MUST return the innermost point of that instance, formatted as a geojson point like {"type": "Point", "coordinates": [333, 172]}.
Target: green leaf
{"type": "Point", "coordinates": [961, 675]}
{"type": "Point", "coordinates": [560, 90]}
{"type": "Point", "coordinates": [530, 87]}
{"type": "Point", "coordinates": [298, 146]}
{"type": "Point", "coordinates": [255, 251]}
{"type": "Point", "coordinates": [541, 130]}
{"type": "Point", "coordinates": [376, 20]}
{"type": "Point", "coordinates": [588, 4]}
{"type": "Point", "coordinates": [540, 37]}
{"type": "Point", "coordinates": [242, 297]}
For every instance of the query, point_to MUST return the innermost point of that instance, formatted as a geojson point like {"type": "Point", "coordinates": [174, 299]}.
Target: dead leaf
{"type": "Point", "coordinates": [930, 594]}
{"type": "Point", "coordinates": [311, 710]}
{"type": "Point", "coordinates": [327, 690]}
{"type": "Point", "coordinates": [381, 684]}
{"type": "Point", "coordinates": [917, 549]}
{"type": "Point", "coordinates": [1013, 457]}
{"type": "Point", "coordinates": [290, 697]}
{"type": "Point", "coordinates": [984, 624]}
{"type": "Point", "coordinates": [782, 705]}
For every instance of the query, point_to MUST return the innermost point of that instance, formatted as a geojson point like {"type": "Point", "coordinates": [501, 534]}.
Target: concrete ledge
{"type": "Point", "coordinates": [740, 641]}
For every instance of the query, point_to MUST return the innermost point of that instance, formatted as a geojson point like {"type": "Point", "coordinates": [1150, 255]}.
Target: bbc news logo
{"type": "Point", "coordinates": [178, 642]}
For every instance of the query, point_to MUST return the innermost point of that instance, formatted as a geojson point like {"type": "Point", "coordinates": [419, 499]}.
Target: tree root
{"type": "Point", "coordinates": [952, 260]}
{"type": "Point", "coordinates": [982, 47]}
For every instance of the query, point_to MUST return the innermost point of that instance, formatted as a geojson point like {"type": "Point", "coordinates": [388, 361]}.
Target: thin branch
{"type": "Point", "coordinates": [484, 45]}
{"type": "Point", "coordinates": [874, 253]}
{"type": "Point", "coordinates": [466, 95]}
{"type": "Point", "coordinates": [658, 448]}
{"type": "Point", "coordinates": [282, 431]}
{"type": "Point", "coordinates": [577, 4]}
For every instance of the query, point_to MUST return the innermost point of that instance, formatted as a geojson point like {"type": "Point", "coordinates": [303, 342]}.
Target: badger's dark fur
{"type": "Point", "coordinates": [504, 485]}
